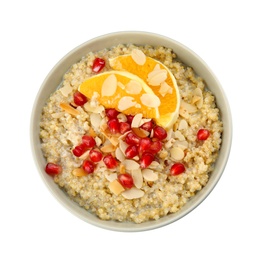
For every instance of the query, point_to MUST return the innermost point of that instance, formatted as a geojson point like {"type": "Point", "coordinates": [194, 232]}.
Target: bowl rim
{"type": "Point", "coordinates": [149, 225]}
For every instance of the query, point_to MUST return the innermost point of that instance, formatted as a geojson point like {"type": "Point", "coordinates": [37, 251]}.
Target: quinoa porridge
{"type": "Point", "coordinates": [129, 167]}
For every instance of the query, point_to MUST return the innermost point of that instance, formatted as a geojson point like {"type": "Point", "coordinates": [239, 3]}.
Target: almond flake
{"type": "Point", "coordinates": [84, 155]}
{"type": "Point", "coordinates": [140, 132]}
{"type": "Point", "coordinates": [122, 168]}
{"type": "Point", "coordinates": [183, 125]}
{"type": "Point", "coordinates": [95, 120]}
{"type": "Point", "coordinates": [111, 177]}
{"type": "Point", "coordinates": [98, 141]}
{"type": "Point", "coordinates": [156, 77]}
{"type": "Point", "coordinates": [109, 86]}
{"type": "Point", "coordinates": [125, 103]}
{"type": "Point", "coordinates": [188, 107]}
{"type": "Point", "coordinates": [136, 120]}
{"type": "Point", "coordinates": [182, 144]}
{"type": "Point", "coordinates": [66, 90]}
{"type": "Point", "coordinates": [108, 148]}
{"type": "Point", "coordinates": [149, 175]}
{"type": "Point", "coordinates": [97, 109]}
{"type": "Point", "coordinates": [79, 172]}
{"type": "Point", "coordinates": [70, 110]}
{"type": "Point", "coordinates": [121, 117]}
{"type": "Point", "coordinates": [138, 57]}
{"type": "Point", "coordinates": [133, 193]}
{"type": "Point", "coordinates": [92, 132]}
{"type": "Point", "coordinates": [144, 120]}
{"type": "Point", "coordinates": [119, 155]}
{"type": "Point", "coordinates": [164, 89]}
{"type": "Point", "coordinates": [150, 100]}
{"type": "Point", "coordinates": [179, 136]}
{"type": "Point", "coordinates": [133, 87]}
{"type": "Point", "coordinates": [116, 187]}
{"type": "Point", "coordinates": [137, 178]}
{"type": "Point", "coordinates": [123, 145]}
{"type": "Point", "coordinates": [177, 153]}
{"type": "Point", "coordinates": [198, 95]}
{"type": "Point", "coordinates": [131, 165]}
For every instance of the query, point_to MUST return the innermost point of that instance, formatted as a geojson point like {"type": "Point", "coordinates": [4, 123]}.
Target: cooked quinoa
{"type": "Point", "coordinates": [60, 132]}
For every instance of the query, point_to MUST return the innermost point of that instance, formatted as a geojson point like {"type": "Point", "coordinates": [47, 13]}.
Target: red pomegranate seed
{"type": "Point", "coordinates": [80, 149]}
{"type": "Point", "coordinates": [129, 118]}
{"type": "Point", "coordinates": [113, 125]}
{"type": "Point", "coordinates": [124, 127]}
{"type": "Point", "coordinates": [95, 155]}
{"type": "Point", "coordinates": [89, 141]}
{"type": "Point", "coordinates": [132, 138]}
{"type": "Point", "coordinates": [155, 147]}
{"type": "Point", "coordinates": [53, 169]}
{"type": "Point", "coordinates": [126, 180]}
{"type": "Point", "coordinates": [148, 126]}
{"type": "Point", "coordinates": [202, 134]}
{"type": "Point", "coordinates": [131, 151]}
{"type": "Point", "coordinates": [111, 113]}
{"type": "Point", "coordinates": [98, 65]}
{"type": "Point", "coordinates": [146, 159]}
{"type": "Point", "coordinates": [79, 99]}
{"type": "Point", "coordinates": [177, 169]}
{"type": "Point", "coordinates": [110, 161]}
{"type": "Point", "coordinates": [160, 133]}
{"type": "Point", "coordinates": [88, 166]}
{"type": "Point", "coordinates": [144, 144]}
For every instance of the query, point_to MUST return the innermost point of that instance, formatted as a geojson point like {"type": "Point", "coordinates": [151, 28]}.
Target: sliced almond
{"type": "Point", "coordinates": [137, 178]}
{"type": "Point", "coordinates": [121, 117]}
{"type": "Point", "coordinates": [109, 86]}
{"type": "Point", "coordinates": [95, 120]}
{"type": "Point", "coordinates": [198, 97]}
{"type": "Point", "coordinates": [133, 193]}
{"type": "Point", "coordinates": [58, 114]}
{"type": "Point", "coordinates": [123, 145]}
{"type": "Point", "coordinates": [84, 155]}
{"type": "Point", "coordinates": [70, 110]}
{"type": "Point", "coordinates": [66, 90]}
{"type": "Point", "coordinates": [150, 100]}
{"type": "Point", "coordinates": [183, 125]}
{"type": "Point", "coordinates": [156, 77]}
{"type": "Point", "coordinates": [93, 109]}
{"type": "Point", "coordinates": [108, 148]}
{"type": "Point", "coordinates": [122, 168]}
{"type": "Point", "coordinates": [182, 144]}
{"type": "Point", "coordinates": [149, 175]}
{"type": "Point", "coordinates": [177, 153]}
{"type": "Point", "coordinates": [178, 135]}
{"type": "Point", "coordinates": [136, 120]}
{"type": "Point", "coordinates": [119, 155]}
{"type": "Point", "coordinates": [116, 187]}
{"type": "Point", "coordinates": [138, 57]}
{"type": "Point", "coordinates": [140, 132]}
{"type": "Point", "coordinates": [111, 177]}
{"type": "Point", "coordinates": [125, 103]}
{"type": "Point", "coordinates": [188, 107]}
{"type": "Point", "coordinates": [98, 141]}
{"type": "Point", "coordinates": [133, 87]}
{"type": "Point", "coordinates": [131, 165]}
{"type": "Point", "coordinates": [92, 132]}
{"type": "Point", "coordinates": [165, 89]}
{"type": "Point", "coordinates": [79, 172]}
{"type": "Point", "coordinates": [144, 120]}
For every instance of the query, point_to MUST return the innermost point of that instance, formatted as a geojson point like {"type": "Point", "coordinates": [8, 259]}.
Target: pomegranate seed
{"type": "Point", "coordinates": [126, 180]}
{"type": "Point", "coordinates": [177, 169]}
{"type": "Point", "coordinates": [146, 159]}
{"type": "Point", "coordinates": [89, 141]}
{"type": "Point", "coordinates": [79, 99]}
{"type": "Point", "coordinates": [53, 169]}
{"type": "Point", "coordinates": [98, 65]}
{"type": "Point", "coordinates": [110, 161]}
{"type": "Point", "coordinates": [124, 127]}
{"type": "Point", "coordinates": [111, 113]}
{"type": "Point", "coordinates": [129, 118]}
{"type": "Point", "coordinates": [131, 151]}
{"type": "Point", "coordinates": [113, 125]}
{"type": "Point", "coordinates": [144, 144]}
{"type": "Point", "coordinates": [202, 134]}
{"type": "Point", "coordinates": [88, 166]}
{"type": "Point", "coordinates": [160, 133]}
{"type": "Point", "coordinates": [132, 138]}
{"type": "Point", "coordinates": [80, 149]}
{"type": "Point", "coordinates": [155, 147]}
{"type": "Point", "coordinates": [148, 126]}
{"type": "Point", "coordinates": [95, 155]}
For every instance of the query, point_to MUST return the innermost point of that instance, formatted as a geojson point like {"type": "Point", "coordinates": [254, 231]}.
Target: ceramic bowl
{"type": "Point", "coordinates": [188, 57]}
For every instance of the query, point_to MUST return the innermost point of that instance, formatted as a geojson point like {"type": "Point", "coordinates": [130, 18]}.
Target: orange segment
{"type": "Point", "coordinates": [123, 91]}
{"type": "Point", "coordinates": [158, 77]}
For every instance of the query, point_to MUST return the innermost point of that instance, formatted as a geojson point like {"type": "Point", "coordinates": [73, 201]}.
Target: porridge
{"type": "Point", "coordinates": [131, 134]}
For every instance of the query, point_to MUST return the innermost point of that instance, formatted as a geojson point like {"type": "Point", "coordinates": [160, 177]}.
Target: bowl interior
{"type": "Point", "coordinates": [54, 78]}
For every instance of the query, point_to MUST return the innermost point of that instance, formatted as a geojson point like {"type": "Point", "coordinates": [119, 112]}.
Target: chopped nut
{"type": "Point", "coordinates": [165, 89]}
{"type": "Point", "coordinates": [111, 177]}
{"type": "Point", "coordinates": [133, 193]}
{"type": "Point", "coordinates": [95, 120]}
{"type": "Point", "coordinates": [116, 187]}
{"type": "Point", "coordinates": [69, 109]}
{"type": "Point", "coordinates": [92, 132]}
{"type": "Point", "coordinates": [122, 168]}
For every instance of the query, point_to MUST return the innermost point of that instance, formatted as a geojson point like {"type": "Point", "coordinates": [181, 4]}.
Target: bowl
{"type": "Point", "coordinates": [187, 56]}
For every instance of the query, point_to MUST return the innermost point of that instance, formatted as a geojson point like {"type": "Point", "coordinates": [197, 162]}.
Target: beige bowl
{"type": "Point", "coordinates": [54, 78]}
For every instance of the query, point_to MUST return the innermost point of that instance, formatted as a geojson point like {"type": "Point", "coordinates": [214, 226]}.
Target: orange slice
{"type": "Point", "coordinates": [123, 91]}
{"type": "Point", "coordinates": [158, 77]}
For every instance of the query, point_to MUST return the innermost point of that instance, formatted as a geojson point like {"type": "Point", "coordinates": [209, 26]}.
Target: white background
{"type": "Point", "coordinates": [36, 34]}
